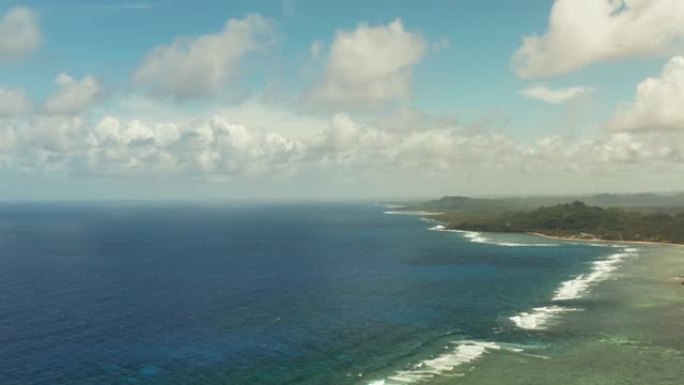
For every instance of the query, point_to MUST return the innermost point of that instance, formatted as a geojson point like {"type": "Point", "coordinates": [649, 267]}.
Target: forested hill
{"type": "Point", "coordinates": [577, 220]}
{"type": "Point", "coordinates": [647, 202]}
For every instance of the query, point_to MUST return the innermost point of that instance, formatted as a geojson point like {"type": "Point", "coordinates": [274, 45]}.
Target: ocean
{"type": "Point", "coordinates": [315, 293]}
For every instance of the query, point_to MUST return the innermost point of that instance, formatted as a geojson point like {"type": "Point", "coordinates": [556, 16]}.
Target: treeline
{"type": "Point", "coordinates": [645, 202]}
{"type": "Point", "coordinates": [579, 221]}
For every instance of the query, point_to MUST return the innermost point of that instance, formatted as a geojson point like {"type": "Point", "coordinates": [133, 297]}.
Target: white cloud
{"type": "Point", "coordinates": [341, 135]}
{"type": "Point", "coordinates": [340, 153]}
{"type": "Point", "coordinates": [49, 135]}
{"type": "Point", "coordinates": [212, 148]}
{"type": "Point", "coordinates": [582, 32]}
{"type": "Point", "coordinates": [13, 101]}
{"type": "Point", "coordinates": [73, 96]}
{"type": "Point", "coordinates": [369, 65]}
{"type": "Point", "coordinates": [8, 139]}
{"type": "Point", "coordinates": [201, 66]}
{"type": "Point", "coordinates": [554, 96]}
{"type": "Point", "coordinates": [19, 33]}
{"type": "Point", "coordinates": [658, 103]}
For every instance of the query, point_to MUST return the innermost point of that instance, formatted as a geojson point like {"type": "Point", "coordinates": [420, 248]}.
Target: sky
{"type": "Point", "coordinates": [303, 99]}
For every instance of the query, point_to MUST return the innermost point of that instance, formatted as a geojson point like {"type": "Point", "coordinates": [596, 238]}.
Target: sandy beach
{"type": "Point", "coordinates": [599, 240]}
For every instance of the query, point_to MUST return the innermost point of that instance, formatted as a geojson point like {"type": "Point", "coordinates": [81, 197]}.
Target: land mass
{"type": "Point", "coordinates": [641, 218]}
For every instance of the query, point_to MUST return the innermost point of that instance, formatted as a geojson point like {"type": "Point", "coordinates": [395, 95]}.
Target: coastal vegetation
{"type": "Point", "coordinates": [644, 202]}
{"type": "Point", "coordinates": [569, 220]}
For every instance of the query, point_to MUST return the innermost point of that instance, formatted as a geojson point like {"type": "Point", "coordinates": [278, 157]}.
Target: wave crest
{"type": "Point", "coordinates": [464, 352]}
{"type": "Point", "coordinates": [602, 270]}
{"type": "Point", "coordinates": [539, 317]}
{"type": "Point", "coordinates": [478, 237]}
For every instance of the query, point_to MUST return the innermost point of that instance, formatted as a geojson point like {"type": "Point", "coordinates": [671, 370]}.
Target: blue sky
{"type": "Point", "coordinates": [338, 99]}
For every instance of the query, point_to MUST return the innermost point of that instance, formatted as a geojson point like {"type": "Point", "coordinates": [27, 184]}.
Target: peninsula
{"type": "Point", "coordinates": [635, 218]}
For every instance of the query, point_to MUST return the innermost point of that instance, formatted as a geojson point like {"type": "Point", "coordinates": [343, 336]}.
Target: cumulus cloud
{"type": "Point", "coordinates": [582, 32]}
{"type": "Point", "coordinates": [53, 135]}
{"type": "Point", "coordinates": [213, 148]}
{"type": "Point", "coordinates": [554, 96]}
{"type": "Point", "coordinates": [341, 135]}
{"type": "Point", "coordinates": [439, 151]}
{"type": "Point", "coordinates": [19, 33]}
{"type": "Point", "coordinates": [658, 103]}
{"type": "Point", "coordinates": [369, 65]}
{"type": "Point", "coordinates": [13, 101]}
{"type": "Point", "coordinates": [8, 139]}
{"type": "Point", "coordinates": [200, 66]}
{"type": "Point", "coordinates": [72, 96]}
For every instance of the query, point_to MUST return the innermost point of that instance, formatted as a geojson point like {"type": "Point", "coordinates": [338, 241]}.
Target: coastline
{"type": "Point", "coordinates": [637, 336]}
{"type": "Point", "coordinates": [623, 341]}
{"type": "Point", "coordinates": [426, 216]}
{"type": "Point", "coordinates": [599, 240]}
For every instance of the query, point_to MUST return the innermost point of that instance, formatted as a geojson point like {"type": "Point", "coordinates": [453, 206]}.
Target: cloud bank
{"type": "Point", "coordinates": [13, 101]}
{"type": "Point", "coordinates": [217, 148]}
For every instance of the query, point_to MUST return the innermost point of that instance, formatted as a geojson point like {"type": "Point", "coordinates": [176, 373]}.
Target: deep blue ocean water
{"type": "Point", "coordinates": [251, 294]}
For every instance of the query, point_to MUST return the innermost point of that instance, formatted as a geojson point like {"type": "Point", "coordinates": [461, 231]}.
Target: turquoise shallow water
{"type": "Point", "coordinates": [288, 294]}
{"type": "Point", "coordinates": [630, 332]}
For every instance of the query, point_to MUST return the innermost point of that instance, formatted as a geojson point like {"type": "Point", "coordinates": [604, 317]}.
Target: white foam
{"type": "Point", "coordinates": [601, 270]}
{"type": "Point", "coordinates": [464, 352]}
{"type": "Point", "coordinates": [474, 236]}
{"type": "Point", "coordinates": [411, 212]}
{"type": "Point", "coordinates": [600, 244]}
{"type": "Point", "coordinates": [513, 244]}
{"type": "Point", "coordinates": [539, 317]}
{"type": "Point", "coordinates": [391, 206]}
{"type": "Point", "coordinates": [442, 227]}
{"type": "Point", "coordinates": [478, 237]}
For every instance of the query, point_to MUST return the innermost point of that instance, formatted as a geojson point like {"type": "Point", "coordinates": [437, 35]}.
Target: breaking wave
{"type": "Point", "coordinates": [538, 318]}
{"type": "Point", "coordinates": [463, 353]}
{"type": "Point", "coordinates": [478, 237]}
{"type": "Point", "coordinates": [602, 270]}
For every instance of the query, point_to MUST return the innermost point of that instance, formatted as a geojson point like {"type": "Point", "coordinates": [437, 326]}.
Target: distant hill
{"type": "Point", "coordinates": [634, 200]}
{"type": "Point", "coordinates": [647, 202]}
{"type": "Point", "coordinates": [577, 220]}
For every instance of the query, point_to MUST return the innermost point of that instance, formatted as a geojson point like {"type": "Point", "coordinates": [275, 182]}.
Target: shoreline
{"type": "Point", "coordinates": [638, 336]}
{"type": "Point", "coordinates": [599, 240]}
{"type": "Point", "coordinates": [426, 215]}
{"type": "Point", "coordinates": [543, 318]}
